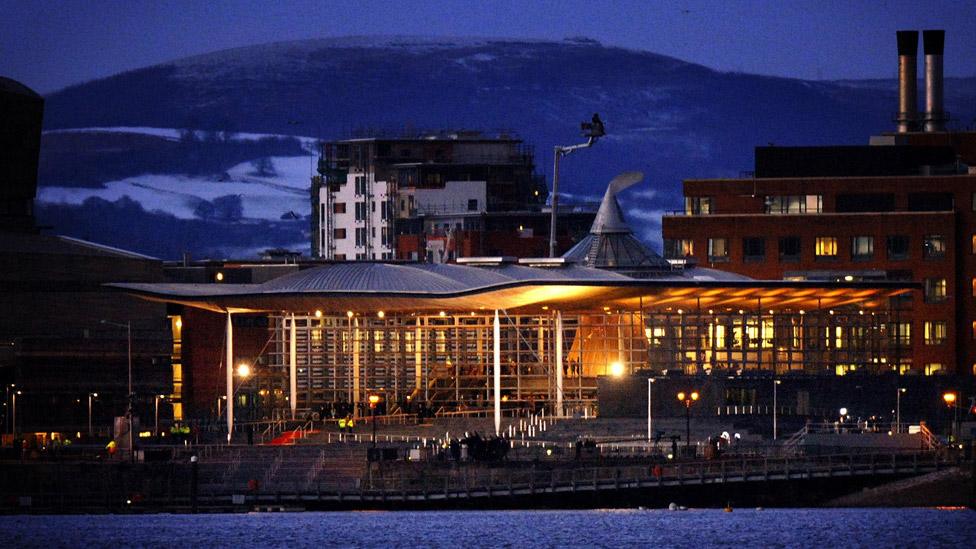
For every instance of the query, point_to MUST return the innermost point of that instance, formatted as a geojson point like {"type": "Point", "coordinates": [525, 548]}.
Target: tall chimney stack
{"type": "Point", "coordinates": [935, 117]}
{"type": "Point", "coordinates": [907, 117]}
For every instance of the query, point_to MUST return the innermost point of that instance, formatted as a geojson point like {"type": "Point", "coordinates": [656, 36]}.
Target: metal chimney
{"type": "Point", "coordinates": [907, 116]}
{"type": "Point", "coordinates": [935, 116]}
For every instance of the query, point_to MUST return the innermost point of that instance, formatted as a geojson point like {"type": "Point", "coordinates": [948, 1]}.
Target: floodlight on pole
{"type": "Point", "coordinates": [592, 131]}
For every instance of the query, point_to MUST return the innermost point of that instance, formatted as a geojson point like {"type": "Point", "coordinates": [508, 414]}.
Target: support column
{"type": "Point", "coordinates": [229, 365]}
{"type": "Point", "coordinates": [497, 357]}
{"type": "Point", "coordinates": [355, 367]}
{"type": "Point", "coordinates": [560, 412]}
{"type": "Point", "coordinates": [293, 367]}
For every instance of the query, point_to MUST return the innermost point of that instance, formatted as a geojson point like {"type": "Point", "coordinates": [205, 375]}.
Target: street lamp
{"type": "Point", "coordinates": [15, 412]}
{"type": "Point", "coordinates": [373, 401]}
{"type": "Point", "coordinates": [128, 411]}
{"type": "Point", "coordinates": [243, 370]}
{"type": "Point", "coordinates": [898, 408]}
{"type": "Point", "coordinates": [950, 399]}
{"type": "Point", "coordinates": [650, 415]}
{"type": "Point", "coordinates": [90, 397]}
{"type": "Point", "coordinates": [592, 131]}
{"type": "Point", "coordinates": [6, 413]}
{"type": "Point", "coordinates": [776, 382]}
{"type": "Point", "coordinates": [688, 400]}
{"type": "Point", "coordinates": [157, 399]}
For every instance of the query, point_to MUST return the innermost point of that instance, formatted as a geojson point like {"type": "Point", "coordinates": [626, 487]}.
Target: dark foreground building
{"type": "Point", "coordinates": [56, 353]}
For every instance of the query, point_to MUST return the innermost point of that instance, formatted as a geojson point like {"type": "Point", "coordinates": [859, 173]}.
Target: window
{"type": "Point", "coordinates": [974, 287]}
{"type": "Point", "coordinates": [974, 202]}
{"type": "Point", "coordinates": [934, 369]}
{"type": "Point", "coordinates": [384, 210]}
{"type": "Point", "coordinates": [901, 333]}
{"type": "Point", "coordinates": [897, 247]}
{"type": "Point", "coordinates": [340, 257]}
{"type": "Point", "coordinates": [472, 204]}
{"type": "Point", "coordinates": [974, 243]}
{"type": "Point", "coordinates": [865, 202]}
{"type": "Point", "coordinates": [862, 248]}
{"type": "Point", "coordinates": [698, 205]}
{"type": "Point", "coordinates": [360, 211]}
{"type": "Point", "coordinates": [826, 247]}
{"type": "Point", "coordinates": [794, 204]}
{"type": "Point", "coordinates": [339, 234]}
{"type": "Point", "coordinates": [718, 249]}
{"type": "Point", "coordinates": [930, 202]}
{"type": "Point", "coordinates": [934, 246]}
{"type": "Point", "coordinates": [789, 248]}
{"type": "Point", "coordinates": [754, 248]}
{"type": "Point", "coordinates": [679, 248]}
{"type": "Point", "coordinates": [974, 330]}
{"type": "Point", "coordinates": [360, 185]}
{"type": "Point", "coordinates": [935, 290]}
{"type": "Point", "coordinates": [339, 208]}
{"type": "Point", "coordinates": [360, 238]}
{"type": "Point", "coordinates": [935, 332]}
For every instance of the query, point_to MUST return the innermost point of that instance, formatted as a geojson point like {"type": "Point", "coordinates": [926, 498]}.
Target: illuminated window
{"type": "Point", "coordinates": [901, 333]}
{"type": "Point", "coordinates": [935, 332]}
{"type": "Point", "coordinates": [934, 246]}
{"type": "Point", "coordinates": [698, 205]}
{"type": "Point", "coordinates": [935, 290]}
{"type": "Point", "coordinates": [862, 247]}
{"type": "Point", "coordinates": [679, 248]}
{"type": "Point", "coordinates": [718, 249]}
{"type": "Point", "coordinates": [934, 368]}
{"type": "Point", "coordinates": [826, 247]}
{"type": "Point", "coordinates": [974, 244]}
{"type": "Point", "coordinates": [974, 330]}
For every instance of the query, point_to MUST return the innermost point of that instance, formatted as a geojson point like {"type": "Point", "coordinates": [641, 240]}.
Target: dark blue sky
{"type": "Point", "coordinates": [52, 44]}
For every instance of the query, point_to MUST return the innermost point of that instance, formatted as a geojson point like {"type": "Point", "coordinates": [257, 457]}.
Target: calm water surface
{"type": "Point", "coordinates": [822, 528]}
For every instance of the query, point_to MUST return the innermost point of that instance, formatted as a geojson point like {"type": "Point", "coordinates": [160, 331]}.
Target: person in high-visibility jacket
{"type": "Point", "coordinates": [342, 424]}
{"type": "Point", "coordinates": [350, 423]}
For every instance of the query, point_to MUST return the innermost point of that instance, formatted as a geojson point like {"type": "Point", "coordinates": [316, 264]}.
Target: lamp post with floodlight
{"type": "Point", "coordinates": [687, 399]}
{"type": "Point", "coordinates": [129, 397]}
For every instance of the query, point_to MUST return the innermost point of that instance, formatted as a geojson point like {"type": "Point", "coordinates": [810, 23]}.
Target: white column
{"type": "Point", "coordinates": [229, 363]}
{"type": "Point", "coordinates": [293, 367]}
{"type": "Point", "coordinates": [559, 364]}
{"type": "Point", "coordinates": [355, 367]}
{"type": "Point", "coordinates": [497, 352]}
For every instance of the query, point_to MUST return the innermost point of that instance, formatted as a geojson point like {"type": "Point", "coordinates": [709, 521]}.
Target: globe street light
{"type": "Point", "coordinates": [688, 399]}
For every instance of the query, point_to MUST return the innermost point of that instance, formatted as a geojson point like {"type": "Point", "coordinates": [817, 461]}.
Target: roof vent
{"type": "Point", "coordinates": [544, 261]}
{"type": "Point", "coordinates": [486, 261]}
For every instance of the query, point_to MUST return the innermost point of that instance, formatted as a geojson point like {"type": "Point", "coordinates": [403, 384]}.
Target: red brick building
{"type": "Point", "coordinates": [902, 209]}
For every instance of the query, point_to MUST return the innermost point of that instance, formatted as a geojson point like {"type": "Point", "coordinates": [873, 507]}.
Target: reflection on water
{"type": "Point", "coordinates": [827, 528]}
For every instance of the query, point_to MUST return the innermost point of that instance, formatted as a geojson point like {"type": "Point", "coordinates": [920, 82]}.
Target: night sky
{"type": "Point", "coordinates": [52, 44]}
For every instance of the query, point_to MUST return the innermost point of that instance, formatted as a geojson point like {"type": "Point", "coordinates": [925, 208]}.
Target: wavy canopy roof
{"type": "Point", "coordinates": [392, 287]}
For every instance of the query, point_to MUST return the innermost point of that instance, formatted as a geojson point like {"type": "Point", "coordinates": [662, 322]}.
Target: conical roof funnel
{"type": "Point", "coordinates": [611, 243]}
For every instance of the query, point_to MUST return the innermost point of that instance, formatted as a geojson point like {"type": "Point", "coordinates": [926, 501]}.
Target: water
{"type": "Point", "coordinates": [826, 528]}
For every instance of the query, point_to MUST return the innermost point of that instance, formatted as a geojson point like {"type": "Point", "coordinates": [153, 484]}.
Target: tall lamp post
{"type": "Point", "coordinates": [7, 428]}
{"type": "Point", "coordinates": [15, 412]}
{"type": "Point", "coordinates": [91, 396]}
{"type": "Point", "coordinates": [898, 408]}
{"type": "Point", "coordinates": [776, 383]}
{"type": "Point", "coordinates": [128, 411]}
{"type": "Point", "coordinates": [156, 424]}
{"type": "Point", "coordinates": [373, 401]}
{"type": "Point", "coordinates": [688, 399]}
{"type": "Point", "coordinates": [592, 131]}
{"type": "Point", "coordinates": [650, 411]}
{"type": "Point", "coordinates": [950, 399]}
